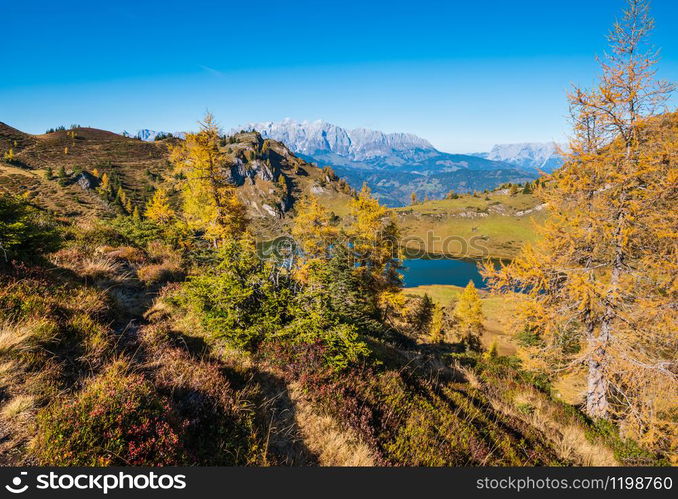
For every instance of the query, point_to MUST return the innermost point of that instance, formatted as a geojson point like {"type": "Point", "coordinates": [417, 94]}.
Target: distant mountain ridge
{"type": "Point", "coordinates": [149, 135]}
{"type": "Point", "coordinates": [535, 156]}
{"type": "Point", "coordinates": [360, 144]}
{"type": "Point", "coordinates": [393, 164]}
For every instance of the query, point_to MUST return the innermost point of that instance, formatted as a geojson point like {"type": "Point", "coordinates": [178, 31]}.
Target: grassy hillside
{"type": "Point", "coordinates": [75, 352]}
{"type": "Point", "coordinates": [497, 310]}
{"type": "Point", "coordinates": [141, 167]}
{"type": "Point", "coordinates": [493, 224]}
{"type": "Point", "coordinates": [62, 200]}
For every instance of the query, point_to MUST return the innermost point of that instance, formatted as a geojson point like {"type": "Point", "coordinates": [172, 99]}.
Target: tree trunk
{"type": "Point", "coordinates": [597, 405]}
{"type": "Point", "coordinates": [596, 393]}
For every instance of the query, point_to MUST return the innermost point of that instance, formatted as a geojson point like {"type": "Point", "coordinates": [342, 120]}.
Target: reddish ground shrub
{"type": "Point", "coordinates": [117, 419]}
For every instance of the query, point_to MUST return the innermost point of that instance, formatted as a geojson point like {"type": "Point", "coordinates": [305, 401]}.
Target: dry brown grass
{"type": "Point", "coordinates": [8, 370]}
{"type": "Point", "coordinates": [470, 376]}
{"type": "Point", "coordinates": [70, 257]}
{"type": "Point", "coordinates": [165, 266]}
{"type": "Point", "coordinates": [24, 336]}
{"type": "Point", "coordinates": [18, 406]}
{"type": "Point", "coordinates": [176, 367]}
{"type": "Point", "coordinates": [24, 392]}
{"type": "Point", "coordinates": [158, 273]}
{"type": "Point", "coordinates": [567, 437]}
{"type": "Point", "coordinates": [160, 251]}
{"type": "Point", "coordinates": [101, 267]}
{"type": "Point", "coordinates": [90, 301]}
{"type": "Point", "coordinates": [95, 266]}
{"type": "Point", "coordinates": [129, 253]}
{"type": "Point", "coordinates": [334, 444]}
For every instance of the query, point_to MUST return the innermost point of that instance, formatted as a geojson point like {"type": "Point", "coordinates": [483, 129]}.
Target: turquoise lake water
{"type": "Point", "coordinates": [421, 272]}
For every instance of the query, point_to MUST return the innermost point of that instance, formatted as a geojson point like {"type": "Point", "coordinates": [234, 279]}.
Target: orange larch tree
{"type": "Point", "coordinates": [210, 201]}
{"type": "Point", "coordinates": [601, 280]}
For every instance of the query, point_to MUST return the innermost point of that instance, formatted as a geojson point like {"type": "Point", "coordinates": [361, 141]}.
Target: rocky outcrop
{"type": "Point", "coordinates": [539, 207]}
{"type": "Point", "coordinates": [242, 172]}
{"type": "Point", "coordinates": [87, 181]}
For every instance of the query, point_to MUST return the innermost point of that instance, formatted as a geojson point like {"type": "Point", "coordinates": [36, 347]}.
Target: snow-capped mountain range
{"type": "Point", "coordinates": [540, 156]}
{"type": "Point", "coordinates": [321, 137]}
{"type": "Point", "coordinates": [149, 135]}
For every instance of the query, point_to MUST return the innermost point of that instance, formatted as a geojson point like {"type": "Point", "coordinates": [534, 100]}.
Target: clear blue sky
{"type": "Point", "coordinates": [463, 74]}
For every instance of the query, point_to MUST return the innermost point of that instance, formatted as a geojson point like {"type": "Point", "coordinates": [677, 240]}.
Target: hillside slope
{"type": "Point", "coordinates": [492, 225]}
{"type": "Point", "coordinates": [124, 348]}
{"type": "Point", "coordinates": [99, 339]}
{"type": "Point", "coordinates": [268, 176]}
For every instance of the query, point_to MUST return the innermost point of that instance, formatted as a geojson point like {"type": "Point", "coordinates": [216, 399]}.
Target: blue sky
{"type": "Point", "coordinates": [463, 74]}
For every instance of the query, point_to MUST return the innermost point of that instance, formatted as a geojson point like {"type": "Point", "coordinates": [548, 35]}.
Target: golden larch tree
{"type": "Point", "coordinates": [468, 317]}
{"type": "Point", "coordinates": [373, 231]}
{"type": "Point", "coordinates": [210, 200]}
{"type": "Point", "coordinates": [374, 236]}
{"type": "Point", "coordinates": [601, 280]}
{"type": "Point", "coordinates": [373, 239]}
{"type": "Point", "coordinates": [436, 330]}
{"type": "Point", "coordinates": [122, 196]}
{"type": "Point", "coordinates": [105, 185]}
{"type": "Point", "coordinates": [159, 208]}
{"type": "Point", "coordinates": [313, 229]}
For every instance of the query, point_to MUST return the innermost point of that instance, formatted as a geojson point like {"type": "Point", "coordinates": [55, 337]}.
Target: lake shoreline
{"type": "Point", "coordinates": [433, 255]}
{"type": "Point", "coordinates": [441, 271]}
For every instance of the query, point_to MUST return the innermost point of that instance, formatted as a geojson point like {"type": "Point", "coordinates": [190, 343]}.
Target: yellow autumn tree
{"type": "Point", "coordinates": [436, 332]}
{"type": "Point", "coordinates": [601, 280]}
{"type": "Point", "coordinates": [105, 185]}
{"type": "Point", "coordinates": [373, 234]}
{"type": "Point", "coordinates": [121, 196]}
{"type": "Point", "coordinates": [468, 317]}
{"type": "Point", "coordinates": [313, 229]}
{"type": "Point", "coordinates": [392, 304]}
{"type": "Point", "coordinates": [210, 201]}
{"type": "Point", "coordinates": [158, 208]}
